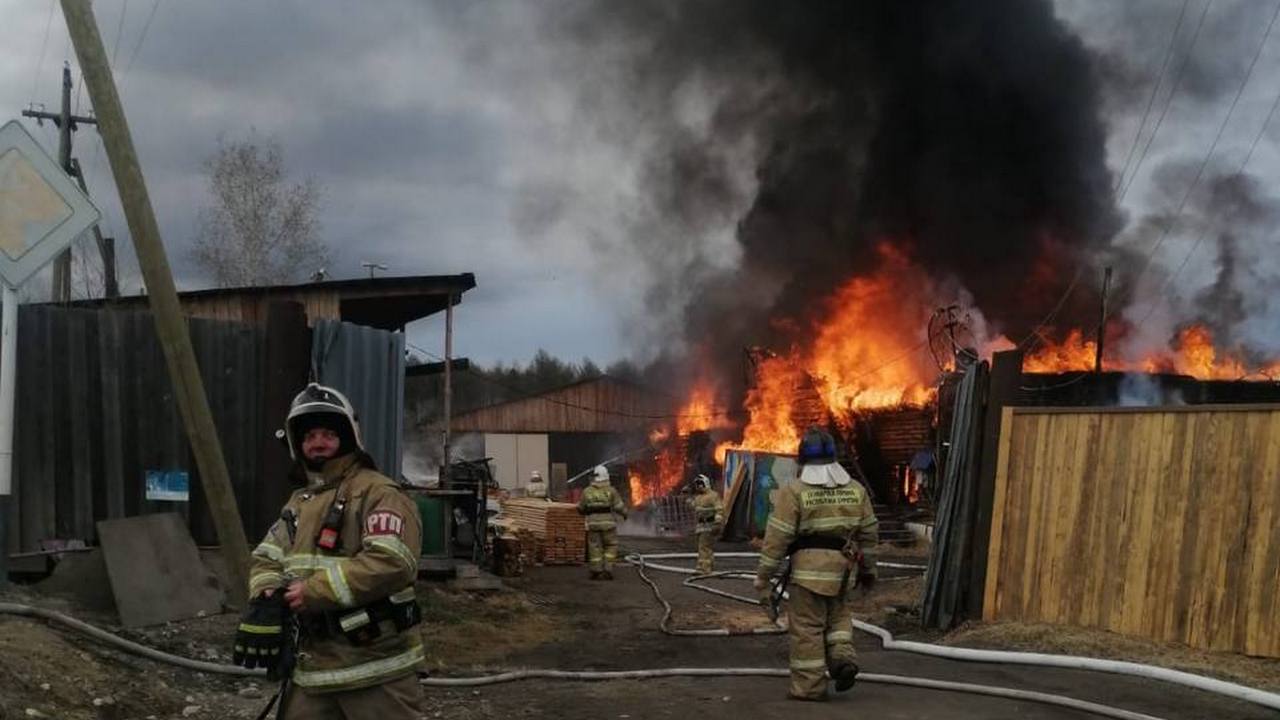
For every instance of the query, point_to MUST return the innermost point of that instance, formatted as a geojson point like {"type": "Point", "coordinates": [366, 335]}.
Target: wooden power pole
{"type": "Point", "coordinates": [1102, 321]}
{"type": "Point", "coordinates": [171, 326]}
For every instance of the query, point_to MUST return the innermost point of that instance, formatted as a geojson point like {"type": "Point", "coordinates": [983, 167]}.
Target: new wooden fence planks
{"type": "Point", "coordinates": [1155, 522]}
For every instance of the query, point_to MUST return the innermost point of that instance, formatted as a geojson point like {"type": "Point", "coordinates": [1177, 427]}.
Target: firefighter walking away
{"type": "Point", "coordinates": [600, 502]}
{"type": "Point", "coordinates": [342, 560]}
{"type": "Point", "coordinates": [826, 524]}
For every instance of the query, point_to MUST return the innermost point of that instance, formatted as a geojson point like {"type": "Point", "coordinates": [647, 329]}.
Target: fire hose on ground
{"type": "Point", "coordinates": [1226, 689]}
{"type": "Point", "coordinates": [1004, 657]}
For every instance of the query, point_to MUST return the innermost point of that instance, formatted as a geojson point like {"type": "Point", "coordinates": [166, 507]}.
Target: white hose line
{"type": "Point", "coordinates": [665, 623]}
{"type": "Point", "coordinates": [1072, 662]}
{"type": "Point", "coordinates": [200, 666]}
{"type": "Point", "coordinates": [877, 678]}
{"type": "Point", "coordinates": [126, 645]}
{"type": "Point", "coordinates": [756, 555]}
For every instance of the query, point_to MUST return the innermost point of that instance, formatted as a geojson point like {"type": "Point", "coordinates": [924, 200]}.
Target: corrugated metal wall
{"type": "Point", "coordinates": [367, 365]}
{"type": "Point", "coordinates": [95, 412]}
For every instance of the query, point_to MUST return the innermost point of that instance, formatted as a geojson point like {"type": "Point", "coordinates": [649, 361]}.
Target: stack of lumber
{"type": "Point", "coordinates": [557, 527]}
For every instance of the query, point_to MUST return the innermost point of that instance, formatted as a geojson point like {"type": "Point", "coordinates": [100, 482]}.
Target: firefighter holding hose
{"type": "Point", "coordinates": [826, 524]}
{"type": "Point", "coordinates": [339, 566]}
{"type": "Point", "coordinates": [708, 516]}
{"type": "Point", "coordinates": [600, 502]}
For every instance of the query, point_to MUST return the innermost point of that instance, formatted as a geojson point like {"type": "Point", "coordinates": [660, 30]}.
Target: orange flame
{"type": "Point", "coordinates": [863, 356]}
{"type": "Point", "coordinates": [640, 490]}
{"type": "Point", "coordinates": [700, 411]}
{"type": "Point", "coordinates": [1073, 353]}
{"type": "Point", "coordinates": [1192, 353]}
{"type": "Point", "coordinates": [664, 473]}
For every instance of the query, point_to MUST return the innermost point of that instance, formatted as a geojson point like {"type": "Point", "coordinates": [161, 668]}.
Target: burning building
{"type": "Point", "coordinates": [811, 189]}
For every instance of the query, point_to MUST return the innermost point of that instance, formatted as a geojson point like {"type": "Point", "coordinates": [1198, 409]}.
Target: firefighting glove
{"type": "Point", "coordinates": [260, 639]}
{"type": "Point", "coordinates": [765, 591]}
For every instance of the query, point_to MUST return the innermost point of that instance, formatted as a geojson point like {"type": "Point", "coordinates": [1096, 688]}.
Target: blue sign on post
{"type": "Point", "coordinates": [168, 485]}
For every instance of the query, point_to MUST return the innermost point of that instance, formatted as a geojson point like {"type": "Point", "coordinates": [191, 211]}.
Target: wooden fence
{"type": "Point", "coordinates": [1157, 522]}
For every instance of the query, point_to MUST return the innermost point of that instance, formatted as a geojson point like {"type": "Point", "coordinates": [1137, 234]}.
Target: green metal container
{"type": "Point", "coordinates": [432, 512]}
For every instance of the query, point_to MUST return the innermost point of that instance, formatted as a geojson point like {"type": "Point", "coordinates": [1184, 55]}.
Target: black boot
{"type": "Point", "coordinates": [845, 675]}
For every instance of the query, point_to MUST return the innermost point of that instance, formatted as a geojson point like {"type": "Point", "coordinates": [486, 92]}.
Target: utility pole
{"type": "Point", "coordinates": [67, 124]}
{"type": "Point", "coordinates": [171, 326]}
{"type": "Point", "coordinates": [448, 389]}
{"type": "Point", "coordinates": [1102, 321]}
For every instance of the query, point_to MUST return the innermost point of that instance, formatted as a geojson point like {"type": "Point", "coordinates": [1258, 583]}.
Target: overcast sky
{"type": "Point", "coordinates": [428, 122]}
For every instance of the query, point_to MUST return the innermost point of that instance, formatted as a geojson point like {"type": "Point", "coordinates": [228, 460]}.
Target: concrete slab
{"type": "Point", "coordinates": [155, 570]}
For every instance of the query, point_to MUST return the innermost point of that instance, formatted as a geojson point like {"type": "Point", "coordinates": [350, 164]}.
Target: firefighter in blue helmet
{"type": "Point", "coordinates": [826, 524]}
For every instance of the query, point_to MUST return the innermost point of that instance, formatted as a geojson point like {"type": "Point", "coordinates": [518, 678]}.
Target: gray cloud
{"type": "Point", "coordinates": [522, 142]}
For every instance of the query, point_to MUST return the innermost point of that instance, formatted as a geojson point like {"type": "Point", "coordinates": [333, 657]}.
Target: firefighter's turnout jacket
{"type": "Point", "coordinates": [812, 519]}
{"type": "Point", "coordinates": [374, 563]}
{"type": "Point", "coordinates": [599, 502]}
{"type": "Point", "coordinates": [708, 511]}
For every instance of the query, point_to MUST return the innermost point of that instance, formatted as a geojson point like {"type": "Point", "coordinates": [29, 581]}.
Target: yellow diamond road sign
{"type": "Point", "coordinates": [41, 209]}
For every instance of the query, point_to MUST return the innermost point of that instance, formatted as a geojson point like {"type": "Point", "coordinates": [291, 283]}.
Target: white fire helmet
{"type": "Point", "coordinates": [535, 475]}
{"type": "Point", "coordinates": [601, 476]}
{"type": "Point", "coordinates": [701, 482]}
{"type": "Point", "coordinates": [320, 406]}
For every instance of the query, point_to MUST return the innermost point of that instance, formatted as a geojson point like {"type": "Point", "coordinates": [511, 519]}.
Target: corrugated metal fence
{"type": "Point", "coordinates": [367, 365]}
{"type": "Point", "coordinates": [1158, 522]}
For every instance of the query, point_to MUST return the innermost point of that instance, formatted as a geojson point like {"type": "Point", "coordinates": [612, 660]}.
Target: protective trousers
{"type": "Point", "coordinates": [602, 549]}
{"type": "Point", "coordinates": [821, 630]}
{"type": "Point", "coordinates": [398, 699]}
{"type": "Point", "coordinates": [706, 551]}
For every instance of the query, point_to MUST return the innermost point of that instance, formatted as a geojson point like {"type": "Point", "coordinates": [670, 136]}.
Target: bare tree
{"type": "Point", "coordinates": [259, 229]}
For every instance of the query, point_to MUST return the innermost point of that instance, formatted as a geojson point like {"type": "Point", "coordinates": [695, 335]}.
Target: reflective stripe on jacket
{"type": "Point", "coordinates": [599, 503]}
{"type": "Point", "coordinates": [842, 513]}
{"type": "Point", "coordinates": [377, 556]}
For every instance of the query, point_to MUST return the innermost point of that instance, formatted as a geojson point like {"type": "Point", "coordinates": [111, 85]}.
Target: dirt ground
{"type": "Point", "coordinates": [554, 618]}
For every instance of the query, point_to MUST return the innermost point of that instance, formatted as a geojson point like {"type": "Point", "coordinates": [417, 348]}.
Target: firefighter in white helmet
{"type": "Point", "coordinates": [708, 517]}
{"type": "Point", "coordinates": [600, 502]}
{"type": "Point", "coordinates": [342, 559]}
{"type": "Point", "coordinates": [537, 487]}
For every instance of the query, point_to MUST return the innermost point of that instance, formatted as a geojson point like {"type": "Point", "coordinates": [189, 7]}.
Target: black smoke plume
{"type": "Point", "coordinates": [967, 132]}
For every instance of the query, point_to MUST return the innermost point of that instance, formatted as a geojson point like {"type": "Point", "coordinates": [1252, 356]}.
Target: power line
{"type": "Point", "coordinates": [1208, 156]}
{"type": "Point", "coordinates": [44, 45]}
{"type": "Point", "coordinates": [1155, 89]}
{"type": "Point", "coordinates": [1168, 229]}
{"type": "Point", "coordinates": [1262, 131]}
{"type": "Point", "coordinates": [115, 48]}
{"type": "Point", "coordinates": [1168, 101]}
{"type": "Point", "coordinates": [142, 37]}
{"type": "Point", "coordinates": [1062, 301]}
